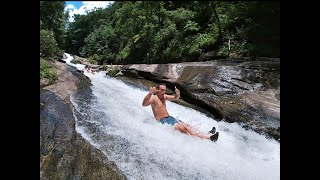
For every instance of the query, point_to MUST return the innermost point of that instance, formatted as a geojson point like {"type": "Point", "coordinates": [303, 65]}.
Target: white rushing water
{"type": "Point", "coordinates": [115, 121]}
{"type": "Point", "coordinates": [68, 58]}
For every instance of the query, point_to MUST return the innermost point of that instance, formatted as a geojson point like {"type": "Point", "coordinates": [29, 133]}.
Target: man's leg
{"type": "Point", "coordinates": [187, 129]}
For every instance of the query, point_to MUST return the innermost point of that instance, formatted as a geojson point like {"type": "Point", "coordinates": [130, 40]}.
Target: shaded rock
{"type": "Point", "coordinates": [130, 73]}
{"type": "Point", "coordinates": [64, 154]}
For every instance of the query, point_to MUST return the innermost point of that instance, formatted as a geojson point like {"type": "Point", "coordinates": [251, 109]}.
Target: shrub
{"type": "Point", "coordinates": [46, 71]}
{"type": "Point", "coordinates": [48, 45]}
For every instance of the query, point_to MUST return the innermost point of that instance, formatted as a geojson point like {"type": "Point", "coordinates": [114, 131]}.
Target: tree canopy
{"type": "Point", "coordinates": [168, 31]}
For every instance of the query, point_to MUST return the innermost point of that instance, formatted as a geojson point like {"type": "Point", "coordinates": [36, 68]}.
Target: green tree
{"type": "Point", "coordinates": [82, 26]}
{"type": "Point", "coordinates": [101, 44]}
{"type": "Point", "coordinates": [54, 18]}
{"type": "Point", "coordinates": [176, 31]}
{"type": "Point", "coordinates": [48, 44]}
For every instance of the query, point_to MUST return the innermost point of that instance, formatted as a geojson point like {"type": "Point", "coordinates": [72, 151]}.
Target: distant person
{"type": "Point", "coordinates": [157, 99]}
{"type": "Point", "coordinates": [89, 69]}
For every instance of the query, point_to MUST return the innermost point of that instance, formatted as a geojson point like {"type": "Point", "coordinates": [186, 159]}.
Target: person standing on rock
{"type": "Point", "coordinates": [157, 99]}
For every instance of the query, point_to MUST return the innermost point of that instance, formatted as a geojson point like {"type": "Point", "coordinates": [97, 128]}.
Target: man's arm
{"type": "Point", "coordinates": [148, 98]}
{"type": "Point", "coordinates": [175, 97]}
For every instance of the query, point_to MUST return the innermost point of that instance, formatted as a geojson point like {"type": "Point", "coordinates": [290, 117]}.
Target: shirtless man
{"type": "Point", "coordinates": [157, 99]}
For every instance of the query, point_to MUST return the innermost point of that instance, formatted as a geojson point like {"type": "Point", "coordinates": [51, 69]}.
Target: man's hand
{"type": "Point", "coordinates": [153, 90]}
{"type": "Point", "coordinates": [175, 97]}
{"type": "Point", "coordinates": [148, 99]}
{"type": "Point", "coordinates": [177, 90]}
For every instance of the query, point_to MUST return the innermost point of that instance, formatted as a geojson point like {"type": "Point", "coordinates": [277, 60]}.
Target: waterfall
{"type": "Point", "coordinates": [114, 120]}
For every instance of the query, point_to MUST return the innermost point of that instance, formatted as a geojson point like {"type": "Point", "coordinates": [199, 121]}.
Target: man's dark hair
{"type": "Point", "coordinates": [163, 84]}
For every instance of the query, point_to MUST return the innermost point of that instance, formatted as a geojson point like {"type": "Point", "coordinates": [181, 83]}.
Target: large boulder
{"type": "Point", "coordinates": [84, 61]}
{"type": "Point", "coordinates": [246, 91]}
{"type": "Point", "coordinates": [64, 154]}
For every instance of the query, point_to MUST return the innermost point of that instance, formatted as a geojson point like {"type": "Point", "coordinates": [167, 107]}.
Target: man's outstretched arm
{"type": "Point", "coordinates": [175, 97]}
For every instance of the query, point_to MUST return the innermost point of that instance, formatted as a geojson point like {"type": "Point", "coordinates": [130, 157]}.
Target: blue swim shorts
{"type": "Point", "coordinates": [169, 120]}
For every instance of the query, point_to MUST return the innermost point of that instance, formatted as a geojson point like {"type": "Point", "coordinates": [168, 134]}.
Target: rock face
{"type": "Point", "coordinates": [85, 61]}
{"type": "Point", "coordinates": [235, 90]}
{"type": "Point", "coordinates": [64, 154]}
{"type": "Point", "coordinates": [44, 82]}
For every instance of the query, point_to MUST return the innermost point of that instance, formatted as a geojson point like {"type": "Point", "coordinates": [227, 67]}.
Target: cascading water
{"type": "Point", "coordinates": [114, 120]}
{"type": "Point", "coordinates": [68, 58]}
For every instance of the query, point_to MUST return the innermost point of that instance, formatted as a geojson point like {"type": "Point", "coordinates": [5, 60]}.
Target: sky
{"type": "Point", "coordinates": [79, 7]}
